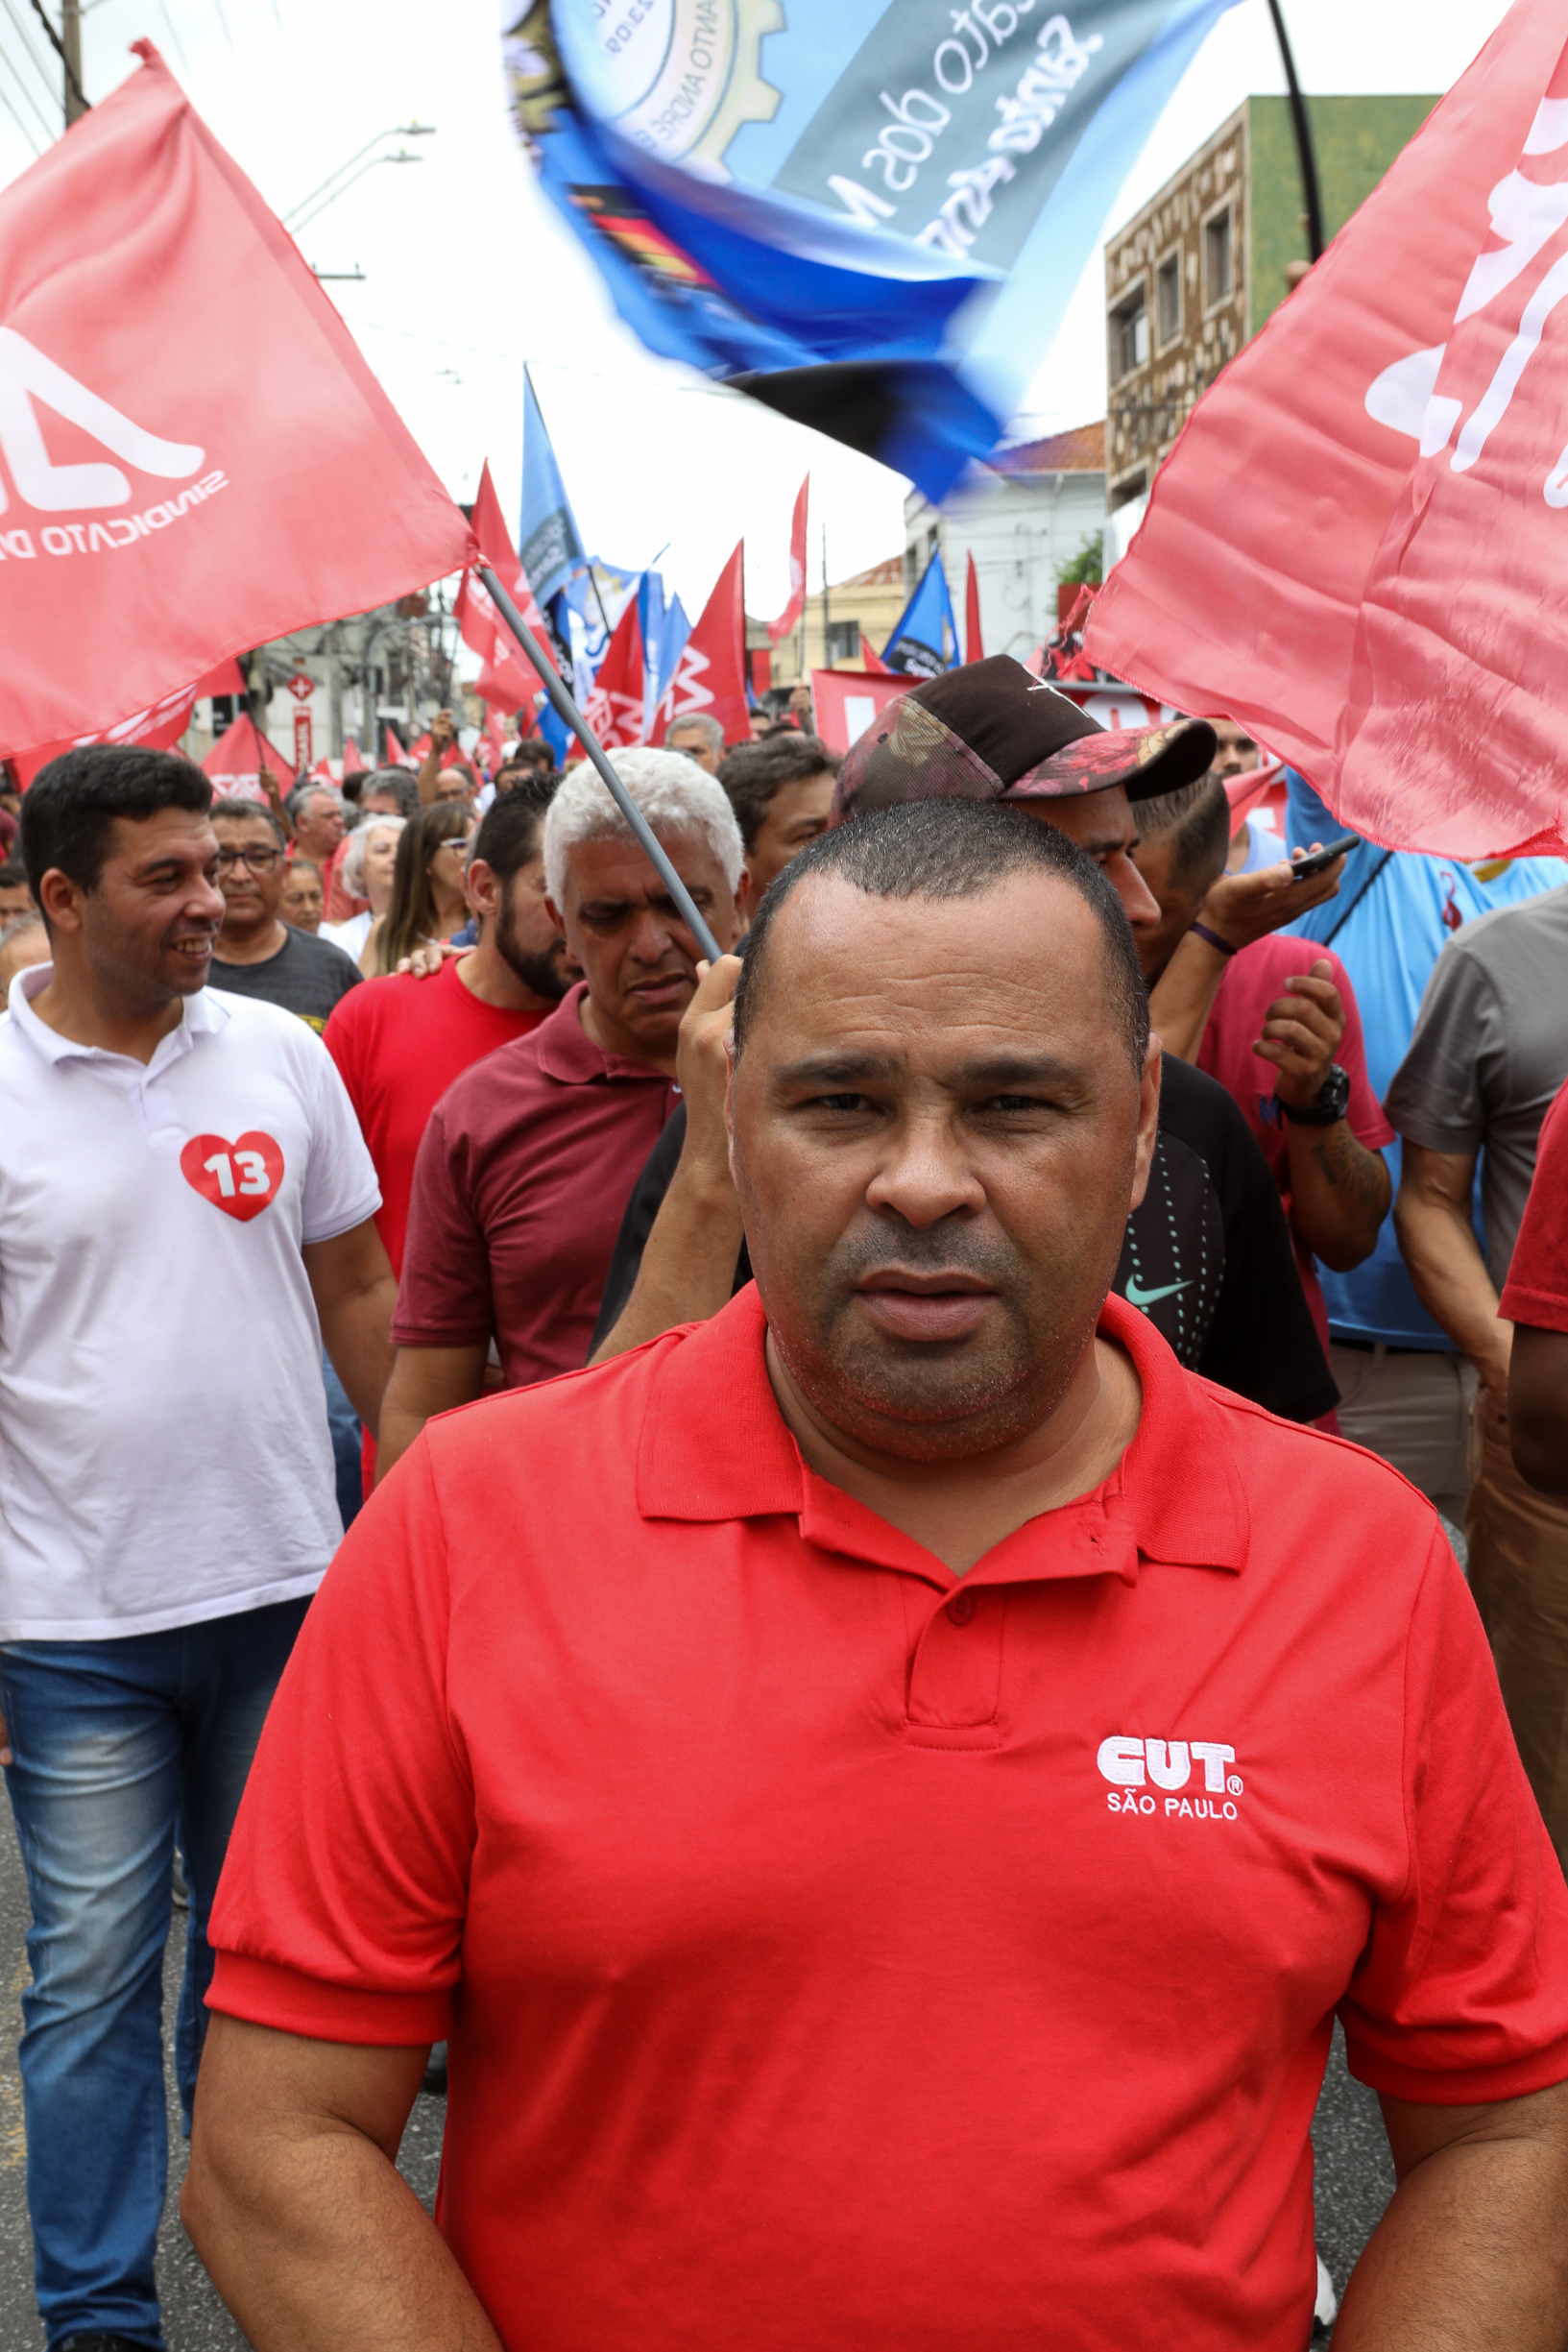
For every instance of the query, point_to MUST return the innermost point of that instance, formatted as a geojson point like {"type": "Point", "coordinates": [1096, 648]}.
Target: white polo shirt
{"type": "Point", "coordinates": [164, 1454]}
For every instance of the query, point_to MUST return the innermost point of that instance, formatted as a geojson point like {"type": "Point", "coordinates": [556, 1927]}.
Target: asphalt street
{"type": "Point", "coordinates": [1354, 2177]}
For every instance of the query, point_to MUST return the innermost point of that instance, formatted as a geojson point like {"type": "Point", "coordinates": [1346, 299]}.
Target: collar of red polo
{"type": "Point", "coordinates": [568, 1052]}
{"type": "Point", "coordinates": [714, 1446]}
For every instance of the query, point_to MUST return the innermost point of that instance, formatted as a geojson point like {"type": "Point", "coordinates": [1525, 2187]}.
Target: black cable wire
{"type": "Point", "coordinates": [57, 45]}
{"type": "Point", "coordinates": [1303, 137]}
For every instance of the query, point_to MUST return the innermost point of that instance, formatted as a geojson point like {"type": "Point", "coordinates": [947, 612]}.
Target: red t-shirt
{"type": "Point", "coordinates": [832, 1958]}
{"type": "Point", "coordinates": [520, 1185]}
{"type": "Point", "coordinates": [1536, 1289]}
{"type": "Point", "coordinates": [1254, 976]}
{"type": "Point", "coordinates": [397, 1053]}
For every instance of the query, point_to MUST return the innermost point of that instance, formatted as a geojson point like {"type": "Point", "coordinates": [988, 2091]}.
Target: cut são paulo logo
{"type": "Point", "coordinates": [1131, 1764]}
{"type": "Point", "coordinates": [27, 374]}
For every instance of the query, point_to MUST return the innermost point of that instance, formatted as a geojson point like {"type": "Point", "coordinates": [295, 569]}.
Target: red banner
{"type": "Point", "coordinates": [711, 674]}
{"type": "Point", "coordinates": [163, 723]}
{"type": "Point", "coordinates": [844, 702]}
{"type": "Point", "coordinates": [791, 613]}
{"type": "Point", "coordinates": [974, 643]}
{"type": "Point", "coordinates": [1358, 548]}
{"type": "Point", "coordinates": [194, 457]}
{"type": "Point", "coordinates": [507, 679]}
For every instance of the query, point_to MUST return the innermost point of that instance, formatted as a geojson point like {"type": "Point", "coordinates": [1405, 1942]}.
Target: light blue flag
{"type": "Point", "coordinates": [869, 214]}
{"type": "Point", "coordinates": [548, 541]}
{"type": "Point", "coordinates": [926, 639]}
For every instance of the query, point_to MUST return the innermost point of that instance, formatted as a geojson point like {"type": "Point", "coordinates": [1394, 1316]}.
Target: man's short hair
{"type": "Point", "coordinates": [673, 793]}
{"type": "Point", "coordinates": [534, 752]}
{"type": "Point", "coordinates": [1196, 819]}
{"type": "Point", "coordinates": [753, 772]}
{"type": "Point", "coordinates": [397, 783]}
{"type": "Point", "coordinates": [711, 732]}
{"type": "Point", "coordinates": [248, 808]}
{"type": "Point", "coordinates": [70, 809]}
{"type": "Point", "coordinates": [304, 793]}
{"type": "Point", "coordinates": [942, 849]}
{"type": "Point", "coordinates": [509, 830]}
{"type": "Point", "coordinates": [12, 872]}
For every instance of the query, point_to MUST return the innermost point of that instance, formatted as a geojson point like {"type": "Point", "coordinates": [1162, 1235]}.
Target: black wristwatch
{"type": "Point", "coordinates": [1328, 1106]}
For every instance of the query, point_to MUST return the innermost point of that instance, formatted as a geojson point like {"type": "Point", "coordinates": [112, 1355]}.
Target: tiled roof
{"type": "Point", "coordinates": [888, 574]}
{"type": "Point", "coordinates": [1081, 451]}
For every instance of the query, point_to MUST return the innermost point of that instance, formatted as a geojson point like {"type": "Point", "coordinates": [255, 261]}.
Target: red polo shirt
{"type": "Point", "coordinates": [1536, 1289]}
{"type": "Point", "coordinates": [520, 1188]}
{"type": "Point", "coordinates": [830, 1956]}
{"type": "Point", "coordinates": [397, 1053]}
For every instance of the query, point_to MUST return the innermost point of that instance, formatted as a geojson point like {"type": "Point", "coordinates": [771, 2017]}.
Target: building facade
{"type": "Point", "coordinates": [1194, 275]}
{"type": "Point", "coordinates": [829, 638]}
{"type": "Point", "coordinates": [1025, 514]}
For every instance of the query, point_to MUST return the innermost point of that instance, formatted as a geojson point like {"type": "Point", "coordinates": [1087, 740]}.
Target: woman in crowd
{"type": "Point", "coordinates": [367, 873]}
{"type": "Point", "coordinates": [427, 896]}
{"type": "Point", "coordinates": [303, 898]}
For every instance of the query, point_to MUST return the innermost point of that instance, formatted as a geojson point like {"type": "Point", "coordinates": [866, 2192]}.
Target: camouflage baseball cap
{"type": "Point", "coordinates": [994, 730]}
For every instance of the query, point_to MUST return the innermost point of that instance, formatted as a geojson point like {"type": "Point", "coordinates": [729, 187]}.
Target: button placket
{"type": "Point", "coordinates": [956, 1672]}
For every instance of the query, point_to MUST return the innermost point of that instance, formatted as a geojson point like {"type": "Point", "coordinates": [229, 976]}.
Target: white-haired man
{"type": "Point", "coordinates": [530, 1157]}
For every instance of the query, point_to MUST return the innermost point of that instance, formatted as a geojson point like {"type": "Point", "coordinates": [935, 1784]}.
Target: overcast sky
{"type": "Point", "coordinates": [468, 273]}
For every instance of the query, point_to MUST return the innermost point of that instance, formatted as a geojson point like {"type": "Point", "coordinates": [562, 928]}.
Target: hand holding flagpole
{"type": "Point", "coordinates": [612, 783]}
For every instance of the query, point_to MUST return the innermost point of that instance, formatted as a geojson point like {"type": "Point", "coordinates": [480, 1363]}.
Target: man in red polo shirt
{"type": "Point", "coordinates": [526, 1166]}
{"type": "Point", "coordinates": [888, 1788]}
{"type": "Point", "coordinates": [400, 1042]}
{"type": "Point", "coordinates": [1535, 1301]}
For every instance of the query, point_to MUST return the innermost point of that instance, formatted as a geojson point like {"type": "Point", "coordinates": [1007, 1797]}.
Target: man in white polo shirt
{"type": "Point", "coordinates": [185, 1214]}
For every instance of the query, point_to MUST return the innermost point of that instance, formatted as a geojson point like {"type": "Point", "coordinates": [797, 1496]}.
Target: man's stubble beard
{"type": "Point", "coordinates": [542, 974]}
{"type": "Point", "coordinates": [933, 1402]}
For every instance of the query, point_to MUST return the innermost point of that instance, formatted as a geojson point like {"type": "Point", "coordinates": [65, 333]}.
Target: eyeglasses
{"type": "Point", "coordinates": [258, 860]}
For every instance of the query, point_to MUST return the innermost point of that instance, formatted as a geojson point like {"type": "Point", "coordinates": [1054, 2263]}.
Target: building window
{"type": "Point", "coordinates": [1217, 257]}
{"type": "Point", "coordinates": [1129, 335]}
{"type": "Point", "coordinates": [843, 641]}
{"type": "Point", "coordinates": [1167, 298]}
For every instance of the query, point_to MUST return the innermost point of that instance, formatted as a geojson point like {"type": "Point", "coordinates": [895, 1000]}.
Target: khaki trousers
{"type": "Point", "coordinates": [1518, 1543]}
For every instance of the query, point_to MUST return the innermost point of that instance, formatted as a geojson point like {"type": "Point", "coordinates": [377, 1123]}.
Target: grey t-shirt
{"type": "Point", "coordinates": [308, 976]}
{"type": "Point", "coordinates": [1488, 1053]}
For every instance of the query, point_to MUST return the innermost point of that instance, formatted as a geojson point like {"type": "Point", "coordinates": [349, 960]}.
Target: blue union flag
{"type": "Point", "coordinates": [869, 217]}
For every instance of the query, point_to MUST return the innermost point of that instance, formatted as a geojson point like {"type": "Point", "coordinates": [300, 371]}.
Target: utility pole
{"type": "Point", "coordinates": [70, 37]}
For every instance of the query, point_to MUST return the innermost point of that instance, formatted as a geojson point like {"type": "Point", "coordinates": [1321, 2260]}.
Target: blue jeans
{"type": "Point", "coordinates": [120, 1746]}
{"type": "Point", "coordinates": [343, 1422]}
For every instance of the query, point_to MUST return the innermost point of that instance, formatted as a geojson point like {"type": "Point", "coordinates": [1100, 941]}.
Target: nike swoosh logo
{"type": "Point", "coordinates": [1135, 1297]}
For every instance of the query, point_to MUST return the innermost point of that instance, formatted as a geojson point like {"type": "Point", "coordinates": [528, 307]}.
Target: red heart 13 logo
{"type": "Point", "coordinates": [240, 1178]}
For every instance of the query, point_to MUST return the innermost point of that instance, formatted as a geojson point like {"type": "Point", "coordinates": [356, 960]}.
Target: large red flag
{"type": "Point", "coordinates": [163, 723]}
{"type": "Point", "coordinates": [974, 644]}
{"type": "Point", "coordinates": [791, 613]}
{"type": "Point", "coordinates": [711, 674]}
{"type": "Point", "coordinates": [397, 756]}
{"type": "Point", "coordinates": [194, 457]}
{"type": "Point", "coordinates": [1357, 548]}
{"type": "Point", "coordinates": [615, 709]}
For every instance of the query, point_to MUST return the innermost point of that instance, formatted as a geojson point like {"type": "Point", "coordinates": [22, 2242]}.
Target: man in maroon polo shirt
{"type": "Point", "coordinates": [888, 1788]}
{"type": "Point", "coordinates": [529, 1160]}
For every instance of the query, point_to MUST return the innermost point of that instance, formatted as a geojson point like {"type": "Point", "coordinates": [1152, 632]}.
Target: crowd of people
{"type": "Point", "coordinates": [940, 1659]}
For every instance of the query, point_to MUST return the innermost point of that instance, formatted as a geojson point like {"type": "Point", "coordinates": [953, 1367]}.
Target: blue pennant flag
{"type": "Point", "coordinates": [549, 543]}
{"type": "Point", "coordinates": [926, 638]}
{"type": "Point", "coordinates": [869, 217]}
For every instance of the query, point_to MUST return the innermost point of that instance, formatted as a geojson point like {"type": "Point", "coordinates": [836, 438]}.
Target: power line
{"type": "Point", "coordinates": [175, 36]}
{"type": "Point", "coordinates": [47, 127]}
{"type": "Point", "coordinates": [20, 124]}
{"type": "Point", "coordinates": [224, 21]}
{"type": "Point", "coordinates": [32, 58]}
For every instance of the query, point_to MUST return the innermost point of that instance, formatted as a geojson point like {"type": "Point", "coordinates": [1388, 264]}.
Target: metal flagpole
{"type": "Point", "coordinates": [558, 693]}
{"type": "Point", "coordinates": [1303, 137]}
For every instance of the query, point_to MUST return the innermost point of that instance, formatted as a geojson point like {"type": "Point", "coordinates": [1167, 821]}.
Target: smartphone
{"type": "Point", "coordinates": [1318, 861]}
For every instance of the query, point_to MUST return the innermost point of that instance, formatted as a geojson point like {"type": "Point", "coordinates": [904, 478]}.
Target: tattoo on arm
{"type": "Point", "coordinates": [1349, 1166]}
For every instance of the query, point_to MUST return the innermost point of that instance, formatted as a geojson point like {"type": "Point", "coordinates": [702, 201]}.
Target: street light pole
{"type": "Point", "coordinates": [400, 131]}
